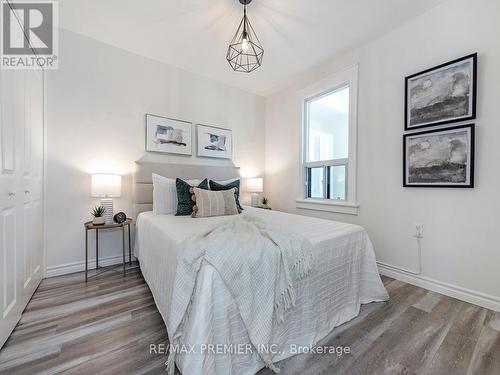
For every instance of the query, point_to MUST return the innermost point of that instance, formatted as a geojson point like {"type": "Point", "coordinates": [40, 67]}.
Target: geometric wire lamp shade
{"type": "Point", "coordinates": [245, 51]}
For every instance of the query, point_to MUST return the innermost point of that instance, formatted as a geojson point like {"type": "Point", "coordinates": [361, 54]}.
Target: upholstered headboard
{"type": "Point", "coordinates": [143, 181]}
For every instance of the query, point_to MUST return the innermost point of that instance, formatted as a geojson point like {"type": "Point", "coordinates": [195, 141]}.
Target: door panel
{"type": "Point", "coordinates": [37, 120]}
{"type": "Point", "coordinates": [7, 124]}
{"type": "Point", "coordinates": [27, 246]}
{"type": "Point", "coordinates": [27, 122]}
{"type": "Point", "coordinates": [37, 244]}
{"type": "Point", "coordinates": [8, 250]}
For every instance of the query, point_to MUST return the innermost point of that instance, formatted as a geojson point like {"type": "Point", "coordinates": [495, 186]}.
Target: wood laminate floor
{"type": "Point", "coordinates": [107, 325]}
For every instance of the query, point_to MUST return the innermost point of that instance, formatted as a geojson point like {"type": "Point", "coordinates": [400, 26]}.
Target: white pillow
{"type": "Point", "coordinates": [165, 194]}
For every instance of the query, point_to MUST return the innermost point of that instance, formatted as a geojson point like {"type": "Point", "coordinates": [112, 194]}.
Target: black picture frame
{"type": "Point", "coordinates": [450, 120]}
{"type": "Point", "coordinates": [470, 151]}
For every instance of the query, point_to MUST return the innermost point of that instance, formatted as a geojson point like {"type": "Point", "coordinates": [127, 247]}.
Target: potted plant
{"type": "Point", "coordinates": [264, 202]}
{"type": "Point", "coordinates": [98, 214]}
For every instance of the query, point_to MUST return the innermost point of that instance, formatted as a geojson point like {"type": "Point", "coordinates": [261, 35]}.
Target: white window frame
{"type": "Point", "coordinates": [346, 77]}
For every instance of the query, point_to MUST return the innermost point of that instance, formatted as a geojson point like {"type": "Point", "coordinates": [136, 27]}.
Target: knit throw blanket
{"type": "Point", "coordinates": [260, 266]}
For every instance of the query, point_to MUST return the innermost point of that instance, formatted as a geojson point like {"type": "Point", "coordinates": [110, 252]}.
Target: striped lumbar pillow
{"type": "Point", "coordinates": [225, 185]}
{"type": "Point", "coordinates": [214, 203]}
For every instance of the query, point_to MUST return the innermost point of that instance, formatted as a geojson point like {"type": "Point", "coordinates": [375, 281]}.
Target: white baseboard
{"type": "Point", "coordinates": [463, 294]}
{"type": "Point", "coordinates": [64, 269]}
{"type": "Point", "coordinates": [467, 295]}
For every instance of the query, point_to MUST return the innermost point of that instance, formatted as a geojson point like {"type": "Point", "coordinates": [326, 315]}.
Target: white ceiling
{"type": "Point", "coordinates": [194, 34]}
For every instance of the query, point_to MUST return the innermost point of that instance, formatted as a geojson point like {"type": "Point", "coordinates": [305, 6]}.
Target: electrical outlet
{"type": "Point", "coordinates": [419, 230]}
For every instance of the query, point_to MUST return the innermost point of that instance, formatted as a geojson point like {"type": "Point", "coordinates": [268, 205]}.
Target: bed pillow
{"type": "Point", "coordinates": [214, 203]}
{"type": "Point", "coordinates": [220, 187]}
{"type": "Point", "coordinates": [184, 201]}
{"type": "Point", "coordinates": [225, 182]}
{"type": "Point", "coordinates": [165, 194]}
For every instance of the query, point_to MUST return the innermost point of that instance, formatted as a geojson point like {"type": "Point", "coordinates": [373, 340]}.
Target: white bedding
{"type": "Point", "coordinates": [345, 276]}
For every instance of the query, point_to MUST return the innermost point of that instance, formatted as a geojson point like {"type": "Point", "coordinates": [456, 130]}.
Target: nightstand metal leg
{"type": "Point", "coordinates": [86, 253]}
{"type": "Point", "coordinates": [129, 247]}
{"type": "Point", "coordinates": [123, 248]}
{"type": "Point", "coordinates": [97, 249]}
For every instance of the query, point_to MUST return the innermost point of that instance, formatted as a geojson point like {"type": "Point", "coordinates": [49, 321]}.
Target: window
{"type": "Point", "coordinates": [327, 155]}
{"type": "Point", "coordinates": [329, 144]}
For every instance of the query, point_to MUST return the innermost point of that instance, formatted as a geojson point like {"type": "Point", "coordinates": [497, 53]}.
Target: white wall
{"type": "Point", "coordinates": [461, 226]}
{"type": "Point", "coordinates": [97, 102]}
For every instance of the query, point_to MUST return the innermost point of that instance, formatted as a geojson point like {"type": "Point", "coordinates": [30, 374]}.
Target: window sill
{"type": "Point", "coordinates": [328, 205]}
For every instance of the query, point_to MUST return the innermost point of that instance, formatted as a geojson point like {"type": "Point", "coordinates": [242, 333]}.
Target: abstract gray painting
{"type": "Point", "coordinates": [443, 94]}
{"type": "Point", "coordinates": [442, 157]}
{"type": "Point", "coordinates": [168, 135]}
{"type": "Point", "coordinates": [214, 142]}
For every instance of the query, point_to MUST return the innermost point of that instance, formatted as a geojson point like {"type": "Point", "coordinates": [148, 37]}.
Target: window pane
{"type": "Point", "coordinates": [338, 182]}
{"type": "Point", "coordinates": [316, 183]}
{"type": "Point", "coordinates": [328, 126]}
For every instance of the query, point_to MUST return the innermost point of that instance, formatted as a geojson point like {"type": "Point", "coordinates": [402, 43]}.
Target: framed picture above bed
{"type": "Point", "coordinates": [443, 94]}
{"type": "Point", "coordinates": [168, 135]}
{"type": "Point", "coordinates": [214, 142]}
{"type": "Point", "coordinates": [440, 158]}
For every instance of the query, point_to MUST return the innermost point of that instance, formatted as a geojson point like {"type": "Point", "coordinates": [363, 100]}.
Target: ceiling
{"type": "Point", "coordinates": [194, 34]}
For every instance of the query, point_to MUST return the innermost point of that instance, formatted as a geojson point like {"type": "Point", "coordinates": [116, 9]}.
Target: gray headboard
{"type": "Point", "coordinates": [143, 182]}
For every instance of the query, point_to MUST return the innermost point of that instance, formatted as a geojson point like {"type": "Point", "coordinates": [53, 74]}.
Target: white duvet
{"type": "Point", "coordinates": [259, 265]}
{"type": "Point", "coordinates": [345, 276]}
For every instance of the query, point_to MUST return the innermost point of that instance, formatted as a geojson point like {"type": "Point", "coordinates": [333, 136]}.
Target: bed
{"type": "Point", "coordinates": [345, 277]}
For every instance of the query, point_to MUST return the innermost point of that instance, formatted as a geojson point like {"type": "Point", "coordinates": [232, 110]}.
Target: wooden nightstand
{"type": "Point", "coordinates": [89, 226]}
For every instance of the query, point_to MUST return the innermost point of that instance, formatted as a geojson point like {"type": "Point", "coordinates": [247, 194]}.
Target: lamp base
{"type": "Point", "coordinates": [255, 200]}
{"type": "Point", "coordinates": [107, 203]}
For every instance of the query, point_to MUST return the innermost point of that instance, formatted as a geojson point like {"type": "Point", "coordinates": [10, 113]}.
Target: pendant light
{"type": "Point", "coordinates": [245, 51]}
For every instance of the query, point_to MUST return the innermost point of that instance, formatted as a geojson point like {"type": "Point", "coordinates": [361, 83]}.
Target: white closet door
{"type": "Point", "coordinates": [33, 183]}
{"type": "Point", "coordinates": [9, 200]}
{"type": "Point", "coordinates": [21, 188]}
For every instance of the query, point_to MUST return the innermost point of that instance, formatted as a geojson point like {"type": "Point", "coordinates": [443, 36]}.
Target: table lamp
{"type": "Point", "coordinates": [255, 186]}
{"type": "Point", "coordinates": [106, 186]}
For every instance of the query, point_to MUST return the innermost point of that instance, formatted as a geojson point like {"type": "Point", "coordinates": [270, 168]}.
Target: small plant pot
{"type": "Point", "coordinates": [99, 220]}
{"type": "Point", "coordinates": [265, 206]}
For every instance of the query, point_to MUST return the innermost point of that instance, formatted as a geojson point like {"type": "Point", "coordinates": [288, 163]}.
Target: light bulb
{"type": "Point", "coordinates": [244, 44]}
{"type": "Point", "coordinates": [244, 40]}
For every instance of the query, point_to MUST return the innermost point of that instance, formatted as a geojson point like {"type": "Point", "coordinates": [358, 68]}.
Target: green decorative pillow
{"type": "Point", "coordinates": [235, 184]}
{"type": "Point", "coordinates": [185, 203]}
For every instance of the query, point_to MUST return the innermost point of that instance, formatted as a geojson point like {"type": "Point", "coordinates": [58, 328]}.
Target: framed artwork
{"type": "Point", "coordinates": [168, 135]}
{"type": "Point", "coordinates": [214, 142]}
{"type": "Point", "coordinates": [442, 158]}
{"type": "Point", "coordinates": [443, 94]}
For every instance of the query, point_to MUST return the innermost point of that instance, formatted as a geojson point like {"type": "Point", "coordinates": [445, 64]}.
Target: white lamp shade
{"type": "Point", "coordinates": [255, 185]}
{"type": "Point", "coordinates": [106, 185]}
